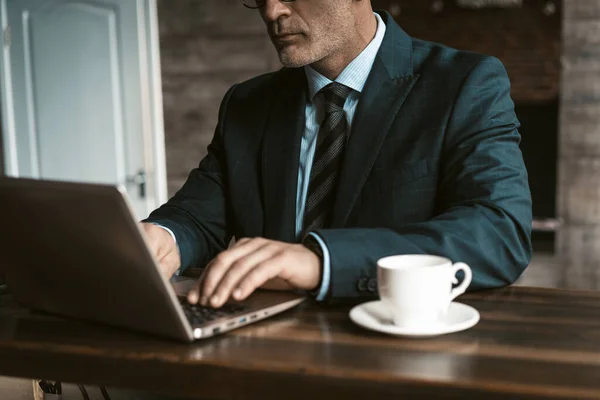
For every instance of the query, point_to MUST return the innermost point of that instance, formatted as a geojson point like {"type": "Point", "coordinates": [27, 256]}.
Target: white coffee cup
{"type": "Point", "coordinates": [417, 289]}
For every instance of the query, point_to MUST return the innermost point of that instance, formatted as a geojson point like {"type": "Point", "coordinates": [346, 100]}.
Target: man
{"type": "Point", "coordinates": [413, 149]}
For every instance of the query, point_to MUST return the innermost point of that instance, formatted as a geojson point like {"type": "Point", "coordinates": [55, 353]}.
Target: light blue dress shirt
{"type": "Point", "coordinates": [354, 76]}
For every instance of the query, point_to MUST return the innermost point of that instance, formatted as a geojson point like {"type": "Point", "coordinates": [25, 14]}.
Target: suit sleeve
{"type": "Point", "coordinates": [197, 213]}
{"type": "Point", "coordinates": [483, 201]}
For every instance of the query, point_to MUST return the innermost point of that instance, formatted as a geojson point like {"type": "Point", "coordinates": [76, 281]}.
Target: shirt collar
{"type": "Point", "coordinates": [356, 73]}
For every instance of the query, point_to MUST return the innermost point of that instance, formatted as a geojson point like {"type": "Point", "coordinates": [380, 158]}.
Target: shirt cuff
{"type": "Point", "coordinates": [174, 239]}
{"type": "Point", "coordinates": [168, 230]}
{"type": "Point", "coordinates": [326, 278]}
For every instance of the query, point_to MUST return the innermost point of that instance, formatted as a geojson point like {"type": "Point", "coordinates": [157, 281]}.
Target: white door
{"type": "Point", "coordinates": [82, 94]}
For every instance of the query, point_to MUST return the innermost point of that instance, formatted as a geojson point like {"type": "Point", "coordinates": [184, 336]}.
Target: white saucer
{"type": "Point", "coordinates": [375, 316]}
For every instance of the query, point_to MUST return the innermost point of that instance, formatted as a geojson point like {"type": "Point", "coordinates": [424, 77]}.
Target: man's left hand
{"type": "Point", "coordinates": [254, 263]}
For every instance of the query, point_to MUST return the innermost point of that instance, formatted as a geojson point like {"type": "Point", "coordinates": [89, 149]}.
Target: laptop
{"type": "Point", "coordinates": [75, 249]}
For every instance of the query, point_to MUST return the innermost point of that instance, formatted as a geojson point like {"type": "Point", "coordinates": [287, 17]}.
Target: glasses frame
{"type": "Point", "coordinates": [262, 3]}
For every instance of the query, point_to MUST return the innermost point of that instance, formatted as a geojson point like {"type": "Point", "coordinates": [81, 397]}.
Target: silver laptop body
{"type": "Point", "coordinates": [74, 249]}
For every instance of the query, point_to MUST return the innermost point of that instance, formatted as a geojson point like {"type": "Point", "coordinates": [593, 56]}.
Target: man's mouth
{"type": "Point", "coordinates": [283, 35]}
{"type": "Point", "coordinates": [285, 38]}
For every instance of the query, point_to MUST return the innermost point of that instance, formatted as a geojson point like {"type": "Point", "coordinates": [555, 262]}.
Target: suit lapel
{"type": "Point", "coordinates": [388, 85]}
{"type": "Point", "coordinates": [281, 154]}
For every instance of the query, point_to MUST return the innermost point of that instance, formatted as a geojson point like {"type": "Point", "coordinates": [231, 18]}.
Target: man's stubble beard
{"type": "Point", "coordinates": [293, 59]}
{"type": "Point", "coordinates": [331, 40]}
{"type": "Point", "coordinates": [305, 55]}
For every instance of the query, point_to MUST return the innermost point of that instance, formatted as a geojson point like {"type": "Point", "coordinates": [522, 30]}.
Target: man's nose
{"type": "Point", "coordinates": [274, 9]}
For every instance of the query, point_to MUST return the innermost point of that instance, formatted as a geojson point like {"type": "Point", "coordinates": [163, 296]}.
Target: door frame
{"type": "Point", "coordinates": [152, 103]}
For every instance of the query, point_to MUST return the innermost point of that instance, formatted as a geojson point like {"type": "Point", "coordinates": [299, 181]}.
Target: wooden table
{"type": "Point", "coordinates": [530, 343]}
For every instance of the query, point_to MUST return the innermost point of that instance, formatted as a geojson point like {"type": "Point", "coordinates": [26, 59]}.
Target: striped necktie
{"type": "Point", "coordinates": [327, 161]}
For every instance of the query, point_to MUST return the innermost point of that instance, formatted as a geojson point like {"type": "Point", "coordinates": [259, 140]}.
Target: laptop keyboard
{"type": "Point", "coordinates": [199, 315]}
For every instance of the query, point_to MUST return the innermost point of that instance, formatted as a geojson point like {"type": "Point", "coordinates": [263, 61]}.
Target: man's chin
{"type": "Point", "coordinates": [291, 59]}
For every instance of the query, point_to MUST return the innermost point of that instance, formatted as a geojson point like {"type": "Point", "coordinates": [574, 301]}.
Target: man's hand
{"type": "Point", "coordinates": [254, 263]}
{"type": "Point", "coordinates": [163, 247]}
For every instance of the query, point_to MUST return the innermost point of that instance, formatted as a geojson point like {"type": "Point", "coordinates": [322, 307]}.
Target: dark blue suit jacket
{"type": "Point", "coordinates": [432, 166]}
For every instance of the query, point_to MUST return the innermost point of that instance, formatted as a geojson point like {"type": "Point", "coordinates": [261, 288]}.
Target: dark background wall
{"type": "Point", "coordinates": [209, 45]}
{"type": "Point", "coordinates": [526, 39]}
{"type": "Point", "coordinates": [206, 47]}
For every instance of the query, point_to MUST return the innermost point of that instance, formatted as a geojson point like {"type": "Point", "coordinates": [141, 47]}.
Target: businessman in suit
{"type": "Point", "coordinates": [367, 143]}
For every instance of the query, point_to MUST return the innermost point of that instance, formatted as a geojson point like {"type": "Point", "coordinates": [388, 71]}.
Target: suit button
{"type": "Point", "coordinates": [372, 285]}
{"type": "Point", "coordinates": [362, 285]}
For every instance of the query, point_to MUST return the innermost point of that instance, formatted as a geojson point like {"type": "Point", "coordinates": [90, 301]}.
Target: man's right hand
{"type": "Point", "coordinates": [163, 247]}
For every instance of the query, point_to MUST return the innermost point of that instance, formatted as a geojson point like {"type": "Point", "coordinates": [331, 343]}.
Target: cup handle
{"type": "Point", "coordinates": [460, 289]}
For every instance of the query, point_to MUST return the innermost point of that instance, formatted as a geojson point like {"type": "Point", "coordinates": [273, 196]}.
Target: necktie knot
{"type": "Point", "coordinates": [336, 94]}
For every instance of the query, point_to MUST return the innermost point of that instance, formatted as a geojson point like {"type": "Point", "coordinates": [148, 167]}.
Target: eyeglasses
{"type": "Point", "coordinates": [254, 4]}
